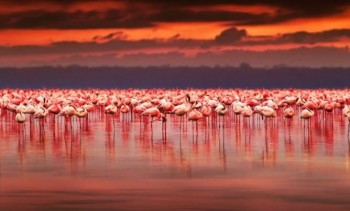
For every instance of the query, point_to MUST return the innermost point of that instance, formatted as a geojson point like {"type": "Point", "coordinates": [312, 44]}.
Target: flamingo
{"type": "Point", "coordinates": [195, 115]}
{"type": "Point", "coordinates": [20, 117]}
{"type": "Point", "coordinates": [154, 112]}
{"type": "Point", "coordinates": [182, 109]}
{"type": "Point", "coordinates": [237, 109]}
{"type": "Point", "coordinates": [265, 111]}
{"type": "Point", "coordinates": [291, 100]}
{"type": "Point", "coordinates": [89, 106]}
{"type": "Point", "coordinates": [68, 110]}
{"type": "Point", "coordinates": [306, 114]}
{"type": "Point", "coordinates": [40, 114]}
{"type": "Point", "coordinates": [81, 112]}
{"type": "Point", "coordinates": [328, 107]}
{"type": "Point", "coordinates": [124, 109]}
{"type": "Point", "coordinates": [55, 108]}
{"type": "Point", "coordinates": [165, 107]}
{"type": "Point", "coordinates": [288, 112]}
{"type": "Point", "coordinates": [111, 109]}
{"type": "Point", "coordinates": [221, 110]}
{"type": "Point", "coordinates": [206, 110]}
{"type": "Point", "coordinates": [310, 105]}
{"type": "Point", "coordinates": [247, 111]}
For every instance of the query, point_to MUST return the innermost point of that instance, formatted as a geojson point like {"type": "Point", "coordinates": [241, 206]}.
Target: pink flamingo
{"type": "Point", "coordinates": [195, 115]}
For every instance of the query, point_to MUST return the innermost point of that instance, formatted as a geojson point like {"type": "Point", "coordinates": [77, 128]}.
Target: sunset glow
{"type": "Point", "coordinates": [94, 27]}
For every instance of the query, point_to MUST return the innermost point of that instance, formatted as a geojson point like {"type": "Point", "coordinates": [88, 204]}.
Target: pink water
{"type": "Point", "coordinates": [241, 165]}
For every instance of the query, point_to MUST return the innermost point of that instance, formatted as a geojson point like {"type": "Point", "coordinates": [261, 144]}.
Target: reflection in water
{"type": "Point", "coordinates": [107, 161]}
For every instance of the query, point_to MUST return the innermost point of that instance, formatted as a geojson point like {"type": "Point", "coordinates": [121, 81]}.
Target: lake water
{"type": "Point", "coordinates": [106, 163]}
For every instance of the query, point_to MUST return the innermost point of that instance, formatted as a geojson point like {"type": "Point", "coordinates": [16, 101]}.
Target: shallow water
{"type": "Point", "coordinates": [106, 163]}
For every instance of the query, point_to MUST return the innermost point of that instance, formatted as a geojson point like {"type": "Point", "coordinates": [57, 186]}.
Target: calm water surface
{"type": "Point", "coordinates": [120, 164]}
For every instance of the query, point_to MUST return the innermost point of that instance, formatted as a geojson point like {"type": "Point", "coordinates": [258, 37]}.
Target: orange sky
{"type": "Point", "coordinates": [10, 37]}
{"type": "Point", "coordinates": [161, 30]}
{"type": "Point", "coordinates": [217, 25]}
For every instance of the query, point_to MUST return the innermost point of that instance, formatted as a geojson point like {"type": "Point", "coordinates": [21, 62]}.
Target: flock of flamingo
{"type": "Point", "coordinates": [187, 104]}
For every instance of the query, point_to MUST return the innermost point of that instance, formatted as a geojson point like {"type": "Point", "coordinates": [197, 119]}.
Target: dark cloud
{"type": "Point", "coordinates": [180, 15]}
{"type": "Point", "coordinates": [288, 9]}
{"type": "Point", "coordinates": [40, 19]}
{"type": "Point", "coordinates": [111, 36]}
{"type": "Point", "coordinates": [233, 37]}
{"type": "Point", "coordinates": [230, 36]}
{"type": "Point", "coordinates": [60, 2]}
{"type": "Point", "coordinates": [309, 7]}
{"type": "Point", "coordinates": [301, 37]}
{"type": "Point", "coordinates": [313, 38]}
{"type": "Point", "coordinates": [147, 13]}
{"type": "Point", "coordinates": [176, 36]}
{"type": "Point", "coordinates": [115, 45]}
{"type": "Point", "coordinates": [114, 18]}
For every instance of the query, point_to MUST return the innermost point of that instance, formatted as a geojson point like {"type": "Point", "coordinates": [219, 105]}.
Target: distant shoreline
{"type": "Point", "coordinates": [244, 76]}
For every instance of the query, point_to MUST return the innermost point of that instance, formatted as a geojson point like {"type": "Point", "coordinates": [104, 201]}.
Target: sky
{"type": "Point", "coordinates": [174, 32]}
